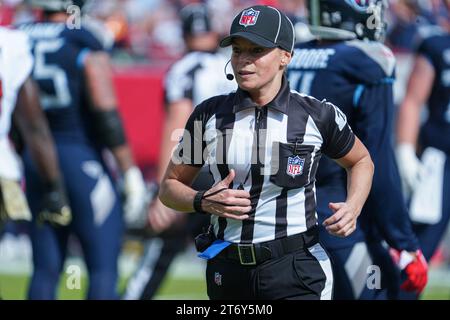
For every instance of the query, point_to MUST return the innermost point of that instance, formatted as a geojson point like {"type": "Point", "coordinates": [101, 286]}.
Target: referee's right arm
{"type": "Point", "coordinates": [187, 161]}
{"type": "Point", "coordinates": [223, 202]}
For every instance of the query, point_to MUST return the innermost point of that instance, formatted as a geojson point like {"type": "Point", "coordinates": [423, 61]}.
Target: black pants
{"type": "Point", "coordinates": [302, 275]}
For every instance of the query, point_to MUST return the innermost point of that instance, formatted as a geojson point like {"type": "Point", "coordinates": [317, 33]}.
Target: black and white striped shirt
{"type": "Point", "coordinates": [274, 150]}
{"type": "Point", "coordinates": [197, 76]}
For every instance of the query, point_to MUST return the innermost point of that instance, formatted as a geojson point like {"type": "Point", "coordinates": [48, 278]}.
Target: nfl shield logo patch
{"type": "Point", "coordinates": [249, 17]}
{"type": "Point", "coordinates": [218, 278]}
{"type": "Point", "coordinates": [295, 166]}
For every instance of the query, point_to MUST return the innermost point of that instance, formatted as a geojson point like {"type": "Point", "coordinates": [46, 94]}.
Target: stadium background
{"type": "Point", "coordinates": [146, 38]}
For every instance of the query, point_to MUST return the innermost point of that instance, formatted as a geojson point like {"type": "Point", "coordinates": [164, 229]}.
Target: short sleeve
{"type": "Point", "coordinates": [18, 55]}
{"type": "Point", "coordinates": [190, 148]}
{"type": "Point", "coordinates": [339, 137]}
{"type": "Point", "coordinates": [100, 36]}
{"type": "Point", "coordinates": [86, 42]}
{"type": "Point", "coordinates": [178, 85]}
{"type": "Point", "coordinates": [425, 50]}
{"type": "Point", "coordinates": [429, 37]}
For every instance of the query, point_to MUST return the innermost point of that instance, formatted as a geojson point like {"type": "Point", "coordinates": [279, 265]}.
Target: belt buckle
{"type": "Point", "coordinates": [247, 255]}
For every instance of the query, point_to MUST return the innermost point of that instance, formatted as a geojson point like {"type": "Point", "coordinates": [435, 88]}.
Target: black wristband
{"type": "Point", "coordinates": [54, 186]}
{"type": "Point", "coordinates": [109, 128]}
{"type": "Point", "coordinates": [55, 196]}
{"type": "Point", "coordinates": [198, 202]}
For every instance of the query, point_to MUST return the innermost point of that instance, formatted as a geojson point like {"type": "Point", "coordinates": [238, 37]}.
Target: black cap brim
{"type": "Point", "coordinates": [250, 37]}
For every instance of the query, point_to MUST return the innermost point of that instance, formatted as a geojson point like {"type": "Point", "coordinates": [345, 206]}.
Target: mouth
{"type": "Point", "coordinates": [245, 74]}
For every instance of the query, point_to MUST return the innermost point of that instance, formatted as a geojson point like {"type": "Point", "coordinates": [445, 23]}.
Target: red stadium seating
{"type": "Point", "coordinates": [141, 102]}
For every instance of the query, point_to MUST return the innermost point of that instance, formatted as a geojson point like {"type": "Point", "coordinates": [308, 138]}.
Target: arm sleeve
{"type": "Point", "coordinates": [425, 49]}
{"type": "Point", "coordinates": [87, 42]}
{"type": "Point", "coordinates": [190, 149]}
{"type": "Point", "coordinates": [338, 136]}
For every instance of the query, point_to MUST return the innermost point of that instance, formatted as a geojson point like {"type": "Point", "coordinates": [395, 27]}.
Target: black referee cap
{"type": "Point", "coordinates": [195, 19]}
{"type": "Point", "coordinates": [264, 25]}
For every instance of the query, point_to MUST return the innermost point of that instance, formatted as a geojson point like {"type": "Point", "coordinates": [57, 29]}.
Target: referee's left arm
{"type": "Point", "coordinates": [360, 169]}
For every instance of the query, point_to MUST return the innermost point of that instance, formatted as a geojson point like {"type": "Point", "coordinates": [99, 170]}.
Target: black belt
{"type": "Point", "coordinates": [253, 254]}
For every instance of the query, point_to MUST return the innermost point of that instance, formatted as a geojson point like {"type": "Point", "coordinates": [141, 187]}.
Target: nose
{"type": "Point", "coordinates": [243, 59]}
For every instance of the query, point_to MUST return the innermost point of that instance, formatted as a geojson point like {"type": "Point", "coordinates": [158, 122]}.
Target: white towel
{"type": "Point", "coordinates": [426, 202]}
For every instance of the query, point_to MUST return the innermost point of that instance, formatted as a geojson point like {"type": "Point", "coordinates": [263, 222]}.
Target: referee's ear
{"type": "Point", "coordinates": [285, 58]}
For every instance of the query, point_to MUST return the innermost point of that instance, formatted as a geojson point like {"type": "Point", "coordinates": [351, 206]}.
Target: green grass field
{"type": "Point", "coordinates": [14, 287]}
{"type": "Point", "coordinates": [174, 288]}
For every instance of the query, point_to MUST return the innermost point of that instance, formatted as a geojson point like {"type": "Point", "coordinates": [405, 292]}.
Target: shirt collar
{"type": "Point", "coordinates": [279, 103]}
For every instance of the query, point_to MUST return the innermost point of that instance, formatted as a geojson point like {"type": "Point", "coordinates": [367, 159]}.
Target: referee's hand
{"type": "Point", "coordinates": [227, 203]}
{"type": "Point", "coordinates": [343, 221]}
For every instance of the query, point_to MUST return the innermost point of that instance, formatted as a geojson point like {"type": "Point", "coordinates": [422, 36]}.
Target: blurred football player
{"type": "Point", "coordinates": [423, 150]}
{"type": "Point", "coordinates": [19, 102]}
{"type": "Point", "coordinates": [75, 80]}
{"type": "Point", "coordinates": [350, 67]}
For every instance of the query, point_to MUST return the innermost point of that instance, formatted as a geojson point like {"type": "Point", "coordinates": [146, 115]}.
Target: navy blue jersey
{"type": "Point", "coordinates": [60, 55]}
{"type": "Point", "coordinates": [357, 76]}
{"type": "Point", "coordinates": [59, 62]}
{"type": "Point", "coordinates": [436, 48]}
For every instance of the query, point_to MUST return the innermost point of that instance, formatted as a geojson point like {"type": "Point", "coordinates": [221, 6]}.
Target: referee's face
{"type": "Point", "coordinates": [257, 69]}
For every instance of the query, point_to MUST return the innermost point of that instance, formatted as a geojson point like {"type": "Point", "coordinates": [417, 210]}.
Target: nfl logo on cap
{"type": "Point", "coordinates": [249, 17]}
{"type": "Point", "coordinates": [295, 166]}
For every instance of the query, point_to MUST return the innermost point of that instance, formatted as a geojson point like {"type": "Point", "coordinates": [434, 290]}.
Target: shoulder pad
{"type": "Point", "coordinates": [186, 64]}
{"type": "Point", "coordinates": [98, 30]}
{"type": "Point", "coordinates": [42, 30]}
{"type": "Point", "coordinates": [378, 53]}
{"type": "Point", "coordinates": [428, 31]}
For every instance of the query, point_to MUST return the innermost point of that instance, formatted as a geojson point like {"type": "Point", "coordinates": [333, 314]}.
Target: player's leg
{"type": "Point", "coordinates": [158, 256]}
{"type": "Point", "coordinates": [101, 250]}
{"type": "Point", "coordinates": [48, 243]}
{"type": "Point", "coordinates": [390, 273]}
{"type": "Point", "coordinates": [353, 273]}
{"type": "Point", "coordinates": [349, 256]}
{"type": "Point", "coordinates": [49, 248]}
{"type": "Point", "coordinates": [161, 251]}
{"type": "Point", "coordinates": [98, 222]}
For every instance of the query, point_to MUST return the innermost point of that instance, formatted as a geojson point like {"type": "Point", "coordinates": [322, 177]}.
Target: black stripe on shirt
{"type": "Point", "coordinates": [281, 215]}
{"type": "Point", "coordinates": [189, 92]}
{"type": "Point", "coordinates": [310, 200]}
{"type": "Point", "coordinates": [224, 122]}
